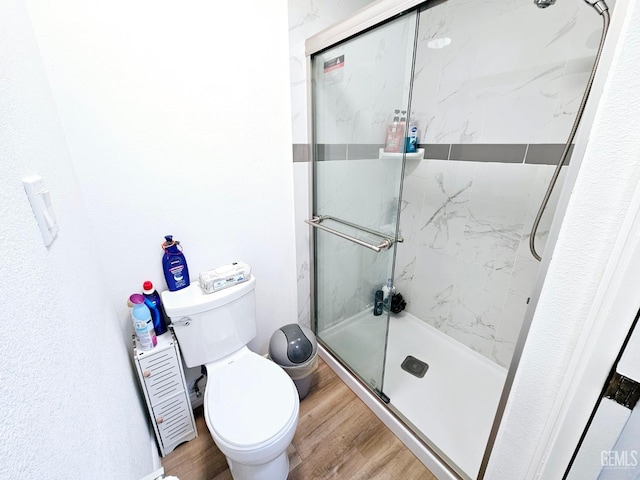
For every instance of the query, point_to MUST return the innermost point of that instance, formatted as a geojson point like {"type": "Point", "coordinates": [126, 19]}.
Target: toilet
{"type": "Point", "coordinates": [251, 405]}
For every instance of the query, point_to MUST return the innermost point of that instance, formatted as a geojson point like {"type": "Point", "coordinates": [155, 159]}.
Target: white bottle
{"type": "Point", "coordinates": [387, 291]}
{"type": "Point", "coordinates": [142, 323]}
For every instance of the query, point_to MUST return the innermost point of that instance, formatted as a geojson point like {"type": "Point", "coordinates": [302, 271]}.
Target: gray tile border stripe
{"type": "Point", "coordinates": [331, 151]}
{"type": "Point", "coordinates": [437, 151]}
{"type": "Point", "coordinates": [301, 152]}
{"type": "Point", "coordinates": [363, 151]}
{"type": "Point", "coordinates": [498, 152]}
{"type": "Point", "coordinates": [536, 153]}
{"type": "Point", "coordinates": [547, 154]}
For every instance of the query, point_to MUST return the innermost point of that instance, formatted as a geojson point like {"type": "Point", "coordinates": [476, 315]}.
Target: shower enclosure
{"type": "Point", "coordinates": [494, 88]}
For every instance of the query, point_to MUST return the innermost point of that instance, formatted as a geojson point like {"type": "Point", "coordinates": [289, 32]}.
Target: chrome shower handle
{"type": "Point", "coordinates": [386, 243]}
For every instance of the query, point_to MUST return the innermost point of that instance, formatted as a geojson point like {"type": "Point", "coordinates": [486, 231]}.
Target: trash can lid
{"type": "Point", "coordinates": [292, 344]}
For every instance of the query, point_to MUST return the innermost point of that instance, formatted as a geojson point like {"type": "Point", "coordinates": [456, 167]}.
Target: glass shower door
{"type": "Point", "coordinates": [358, 86]}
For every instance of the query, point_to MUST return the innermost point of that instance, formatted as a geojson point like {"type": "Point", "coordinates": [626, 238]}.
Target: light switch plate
{"type": "Point", "coordinates": [40, 199]}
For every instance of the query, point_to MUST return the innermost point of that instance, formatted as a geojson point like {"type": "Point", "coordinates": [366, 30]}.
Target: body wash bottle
{"type": "Point", "coordinates": [176, 272]}
{"type": "Point", "coordinates": [393, 142]}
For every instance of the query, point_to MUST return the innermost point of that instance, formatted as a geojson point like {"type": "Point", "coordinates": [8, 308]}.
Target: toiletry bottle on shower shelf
{"type": "Point", "coordinates": [176, 272]}
{"type": "Point", "coordinates": [413, 136]}
{"type": "Point", "coordinates": [402, 132]}
{"type": "Point", "coordinates": [142, 323]}
{"type": "Point", "coordinates": [393, 142]}
{"type": "Point", "coordinates": [153, 301]}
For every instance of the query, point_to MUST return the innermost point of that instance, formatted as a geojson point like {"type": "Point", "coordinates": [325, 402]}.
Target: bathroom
{"type": "Point", "coordinates": [140, 141]}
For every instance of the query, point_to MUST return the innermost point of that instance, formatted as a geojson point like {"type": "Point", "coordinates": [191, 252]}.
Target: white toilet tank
{"type": "Point", "coordinates": [214, 325]}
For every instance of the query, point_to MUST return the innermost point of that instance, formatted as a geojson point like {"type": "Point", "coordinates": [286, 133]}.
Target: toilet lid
{"type": "Point", "coordinates": [249, 401]}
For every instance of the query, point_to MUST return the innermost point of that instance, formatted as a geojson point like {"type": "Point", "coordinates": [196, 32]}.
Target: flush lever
{"type": "Point", "coordinates": [183, 322]}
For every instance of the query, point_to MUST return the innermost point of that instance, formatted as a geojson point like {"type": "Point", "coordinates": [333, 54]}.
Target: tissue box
{"type": "Point", "coordinates": [224, 277]}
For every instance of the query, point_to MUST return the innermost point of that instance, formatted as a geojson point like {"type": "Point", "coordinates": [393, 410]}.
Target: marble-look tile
{"type": "Point", "coordinates": [301, 213]}
{"type": "Point", "coordinates": [445, 208]}
{"type": "Point", "coordinates": [512, 74]}
{"type": "Point", "coordinates": [433, 290]}
{"type": "Point", "coordinates": [404, 273]}
{"type": "Point", "coordinates": [459, 275]}
{"type": "Point", "coordinates": [513, 312]}
{"type": "Point", "coordinates": [543, 175]}
{"type": "Point", "coordinates": [522, 103]}
{"type": "Point", "coordinates": [497, 210]}
{"type": "Point", "coordinates": [304, 297]}
{"type": "Point", "coordinates": [356, 105]}
{"type": "Point", "coordinates": [338, 279]}
{"type": "Point", "coordinates": [481, 293]}
{"type": "Point", "coordinates": [413, 192]}
{"type": "Point", "coordinates": [427, 71]}
{"type": "Point", "coordinates": [376, 271]}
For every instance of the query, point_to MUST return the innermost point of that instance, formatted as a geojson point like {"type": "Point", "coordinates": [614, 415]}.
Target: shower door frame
{"type": "Point", "coordinates": [365, 19]}
{"type": "Point", "coordinates": [354, 26]}
{"type": "Point", "coordinates": [370, 17]}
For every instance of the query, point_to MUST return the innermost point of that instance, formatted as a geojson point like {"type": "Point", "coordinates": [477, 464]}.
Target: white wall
{"type": "Point", "coordinates": [605, 185]}
{"type": "Point", "coordinates": [179, 124]}
{"type": "Point", "coordinates": [122, 109]}
{"type": "Point", "coordinates": [69, 399]}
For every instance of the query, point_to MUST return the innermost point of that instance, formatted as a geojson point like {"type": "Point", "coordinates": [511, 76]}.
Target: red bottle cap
{"type": "Point", "coordinates": [147, 287]}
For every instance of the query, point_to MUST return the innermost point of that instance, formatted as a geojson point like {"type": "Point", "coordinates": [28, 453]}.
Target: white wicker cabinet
{"type": "Point", "coordinates": [165, 391]}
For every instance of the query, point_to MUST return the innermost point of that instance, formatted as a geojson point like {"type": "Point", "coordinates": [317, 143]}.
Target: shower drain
{"type": "Point", "coordinates": [414, 366]}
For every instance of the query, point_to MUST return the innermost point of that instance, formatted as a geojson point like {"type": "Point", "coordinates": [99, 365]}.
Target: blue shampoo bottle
{"type": "Point", "coordinates": [154, 302]}
{"type": "Point", "coordinates": [174, 265]}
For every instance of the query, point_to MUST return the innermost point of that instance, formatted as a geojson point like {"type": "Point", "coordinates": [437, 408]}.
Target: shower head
{"type": "Point", "coordinates": [599, 5]}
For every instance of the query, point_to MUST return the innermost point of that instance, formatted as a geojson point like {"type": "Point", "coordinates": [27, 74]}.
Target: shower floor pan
{"type": "Point", "coordinates": [453, 405]}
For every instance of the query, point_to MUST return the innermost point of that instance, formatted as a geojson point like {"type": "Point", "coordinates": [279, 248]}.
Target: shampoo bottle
{"type": "Point", "coordinates": [142, 323]}
{"type": "Point", "coordinates": [174, 265]}
{"type": "Point", "coordinates": [392, 144]}
{"type": "Point", "coordinates": [153, 301]}
{"type": "Point", "coordinates": [402, 132]}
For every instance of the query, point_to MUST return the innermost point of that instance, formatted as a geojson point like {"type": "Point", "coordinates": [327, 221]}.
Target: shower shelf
{"type": "Point", "coordinates": [419, 155]}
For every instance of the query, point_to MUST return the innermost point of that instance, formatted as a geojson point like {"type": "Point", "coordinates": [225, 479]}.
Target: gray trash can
{"type": "Point", "coordinates": [295, 349]}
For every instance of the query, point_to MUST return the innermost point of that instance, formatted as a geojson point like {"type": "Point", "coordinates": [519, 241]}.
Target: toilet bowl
{"type": "Point", "coordinates": [251, 405]}
{"type": "Point", "coordinates": [251, 410]}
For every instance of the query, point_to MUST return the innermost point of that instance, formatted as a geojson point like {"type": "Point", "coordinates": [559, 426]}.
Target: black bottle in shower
{"type": "Point", "coordinates": [377, 303]}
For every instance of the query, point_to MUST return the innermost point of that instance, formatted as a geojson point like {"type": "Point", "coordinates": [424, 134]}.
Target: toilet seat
{"type": "Point", "coordinates": [250, 402]}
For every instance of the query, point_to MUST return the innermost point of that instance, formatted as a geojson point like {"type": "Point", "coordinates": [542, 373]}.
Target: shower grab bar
{"type": "Point", "coordinates": [386, 243]}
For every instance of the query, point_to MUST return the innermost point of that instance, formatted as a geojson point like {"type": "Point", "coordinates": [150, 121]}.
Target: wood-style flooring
{"type": "Point", "coordinates": [338, 437]}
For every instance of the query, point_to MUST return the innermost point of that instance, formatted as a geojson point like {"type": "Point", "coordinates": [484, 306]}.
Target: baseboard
{"type": "Point", "coordinates": [155, 475]}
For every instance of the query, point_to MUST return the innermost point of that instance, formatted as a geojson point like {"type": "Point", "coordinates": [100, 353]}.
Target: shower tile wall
{"type": "Point", "coordinates": [353, 273]}
{"type": "Point", "coordinates": [464, 266]}
{"type": "Point", "coordinates": [511, 75]}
